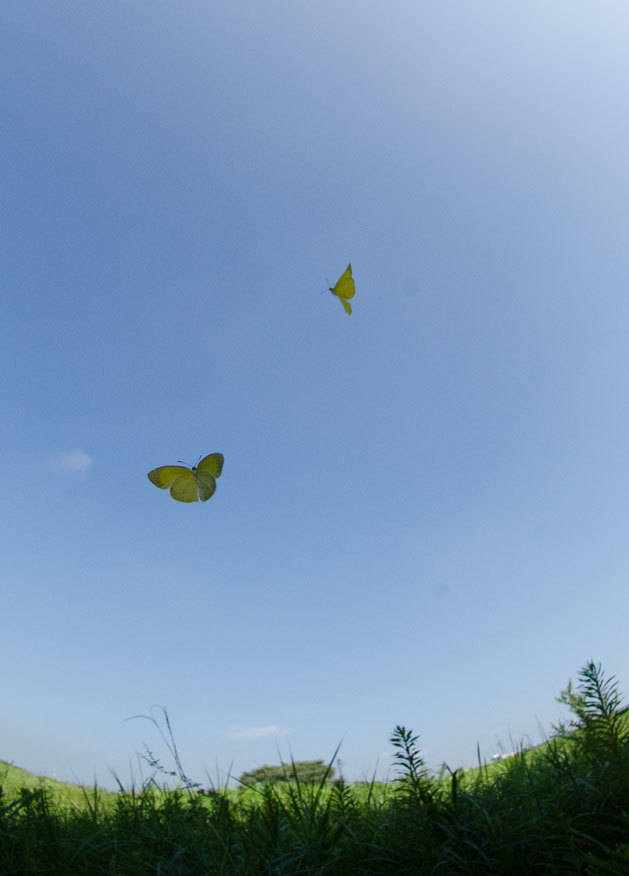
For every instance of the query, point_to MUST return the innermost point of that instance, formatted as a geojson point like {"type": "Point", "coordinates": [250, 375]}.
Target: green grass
{"type": "Point", "coordinates": [562, 808]}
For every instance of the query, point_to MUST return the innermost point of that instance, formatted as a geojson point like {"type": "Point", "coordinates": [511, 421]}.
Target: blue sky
{"type": "Point", "coordinates": [423, 514]}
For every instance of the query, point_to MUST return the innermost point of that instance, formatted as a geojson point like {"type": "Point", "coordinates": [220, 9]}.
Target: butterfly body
{"type": "Point", "coordinates": [345, 289]}
{"type": "Point", "coordinates": [196, 484]}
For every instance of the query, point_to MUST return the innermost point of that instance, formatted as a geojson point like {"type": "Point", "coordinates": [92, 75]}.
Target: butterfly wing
{"type": "Point", "coordinates": [182, 483]}
{"type": "Point", "coordinates": [164, 476]}
{"type": "Point", "coordinates": [205, 485]}
{"type": "Point", "coordinates": [345, 289]}
{"type": "Point", "coordinates": [207, 470]}
{"type": "Point", "coordinates": [184, 489]}
{"type": "Point", "coordinates": [212, 464]}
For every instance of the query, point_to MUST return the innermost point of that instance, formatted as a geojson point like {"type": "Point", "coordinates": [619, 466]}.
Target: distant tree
{"type": "Point", "coordinates": [306, 771]}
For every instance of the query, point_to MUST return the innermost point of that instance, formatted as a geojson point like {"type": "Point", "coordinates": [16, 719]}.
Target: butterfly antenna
{"type": "Point", "coordinates": [184, 463]}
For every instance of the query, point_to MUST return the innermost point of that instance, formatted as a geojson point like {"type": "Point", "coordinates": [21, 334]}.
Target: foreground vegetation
{"type": "Point", "coordinates": [562, 809]}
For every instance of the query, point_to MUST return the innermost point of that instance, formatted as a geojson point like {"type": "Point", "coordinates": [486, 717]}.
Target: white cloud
{"type": "Point", "coordinates": [239, 731]}
{"type": "Point", "coordinates": [72, 461]}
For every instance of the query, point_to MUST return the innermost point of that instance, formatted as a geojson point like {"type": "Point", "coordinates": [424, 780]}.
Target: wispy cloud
{"type": "Point", "coordinates": [71, 461]}
{"type": "Point", "coordinates": [239, 731]}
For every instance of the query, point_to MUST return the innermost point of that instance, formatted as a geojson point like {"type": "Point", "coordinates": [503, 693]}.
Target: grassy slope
{"type": "Point", "coordinates": [13, 779]}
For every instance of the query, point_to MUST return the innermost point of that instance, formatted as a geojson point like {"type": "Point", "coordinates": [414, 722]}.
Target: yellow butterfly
{"type": "Point", "coordinates": [189, 484]}
{"type": "Point", "coordinates": [345, 289]}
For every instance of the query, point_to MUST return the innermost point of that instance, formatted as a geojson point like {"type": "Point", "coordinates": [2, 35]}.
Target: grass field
{"type": "Point", "coordinates": [560, 808]}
